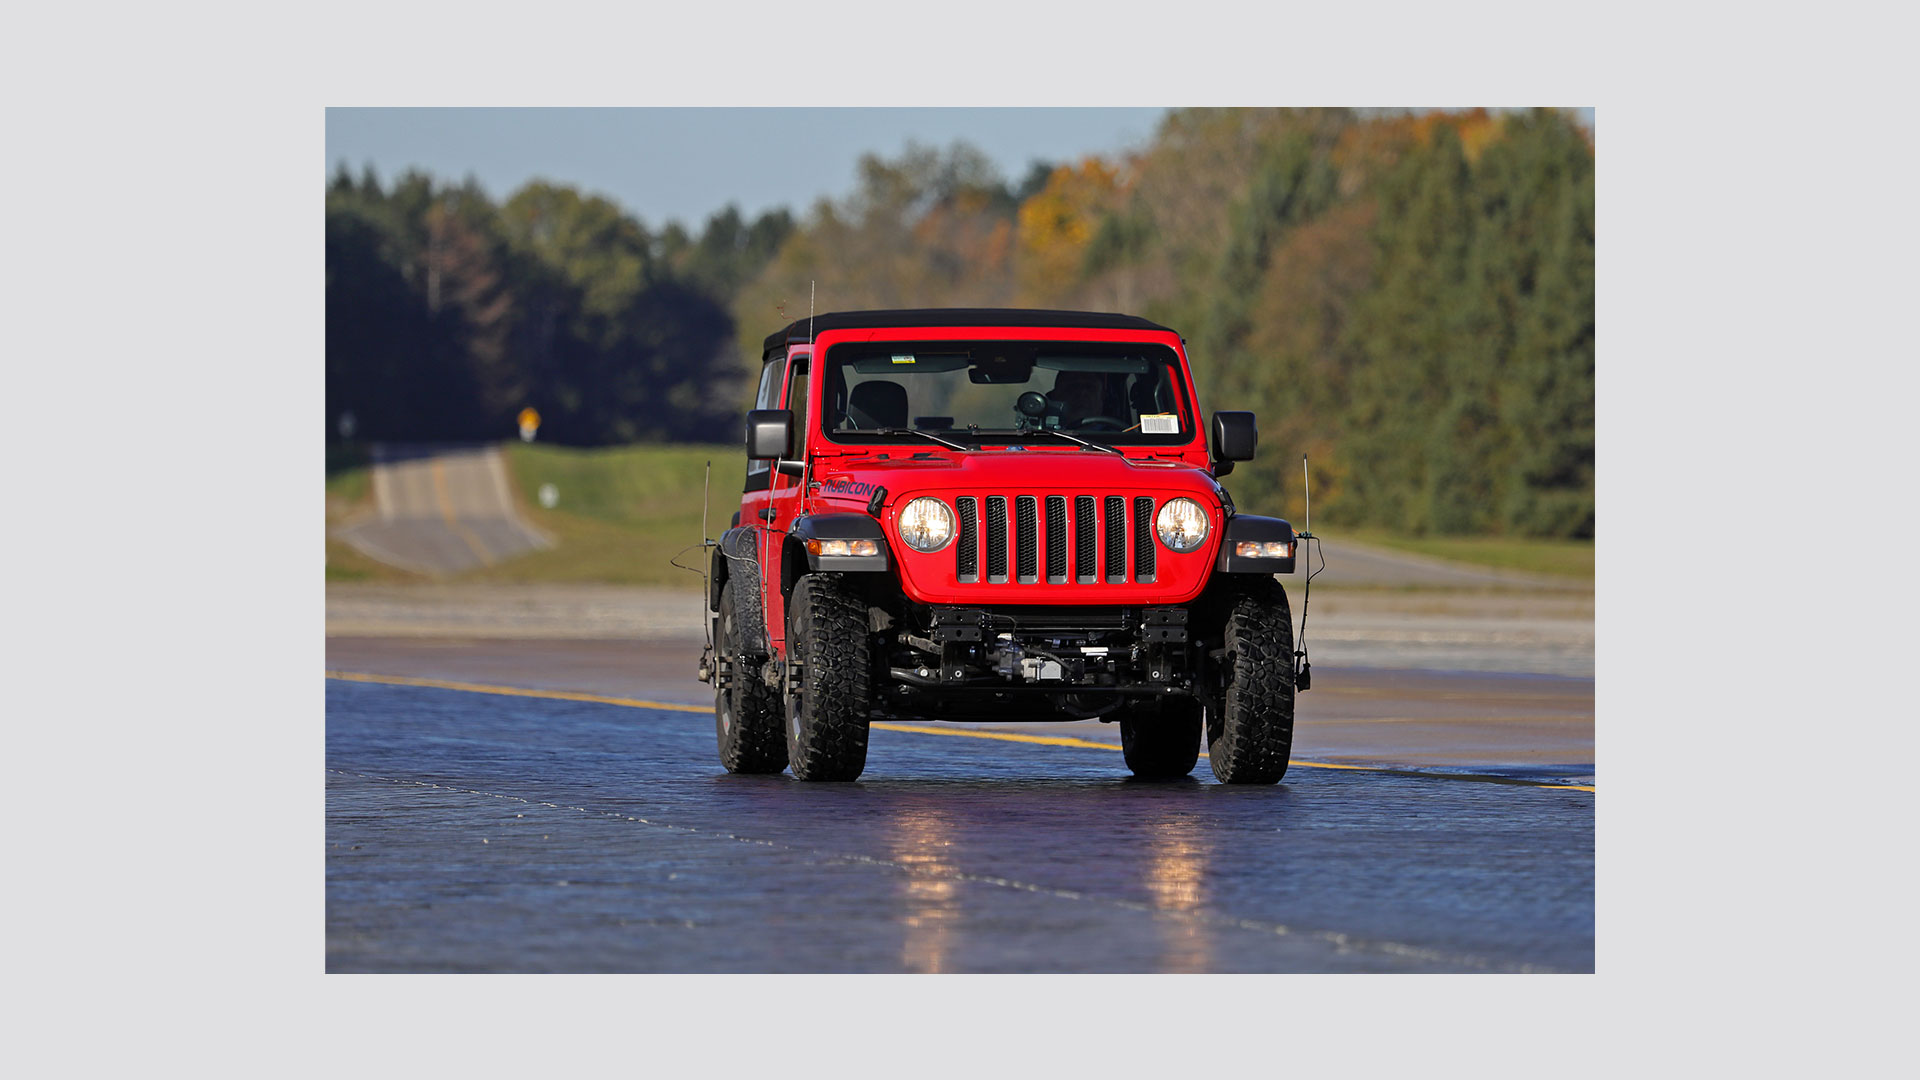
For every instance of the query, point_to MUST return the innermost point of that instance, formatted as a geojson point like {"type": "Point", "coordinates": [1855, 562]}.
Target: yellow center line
{"type": "Point", "coordinates": [446, 511]}
{"type": "Point", "coordinates": [1003, 736]}
{"type": "Point", "coordinates": [913, 729]}
{"type": "Point", "coordinates": [515, 691]}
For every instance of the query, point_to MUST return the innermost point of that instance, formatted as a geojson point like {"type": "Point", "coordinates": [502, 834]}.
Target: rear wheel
{"type": "Point", "coordinates": [830, 695]}
{"type": "Point", "coordinates": [746, 711]}
{"type": "Point", "coordinates": [1250, 737]}
{"type": "Point", "coordinates": [1162, 743]}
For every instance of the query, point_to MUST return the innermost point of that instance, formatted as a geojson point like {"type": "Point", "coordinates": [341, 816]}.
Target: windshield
{"type": "Point", "coordinates": [988, 391]}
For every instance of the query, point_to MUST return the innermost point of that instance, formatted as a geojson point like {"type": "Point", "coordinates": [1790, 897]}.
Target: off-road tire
{"type": "Point", "coordinates": [827, 715]}
{"type": "Point", "coordinates": [1250, 737]}
{"type": "Point", "coordinates": [1163, 743]}
{"type": "Point", "coordinates": [746, 713]}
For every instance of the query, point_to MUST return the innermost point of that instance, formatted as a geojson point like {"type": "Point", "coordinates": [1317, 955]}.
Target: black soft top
{"type": "Point", "coordinates": [796, 331]}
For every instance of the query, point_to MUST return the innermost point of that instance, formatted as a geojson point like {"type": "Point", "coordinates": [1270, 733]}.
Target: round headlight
{"type": "Point", "coordinates": [1182, 524]}
{"type": "Point", "coordinates": [926, 524]}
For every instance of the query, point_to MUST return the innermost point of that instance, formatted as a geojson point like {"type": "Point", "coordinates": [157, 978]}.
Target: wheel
{"type": "Point", "coordinates": [1249, 739]}
{"type": "Point", "coordinates": [746, 712]}
{"type": "Point", "coordinates": [1161, 744]}
{"type": "Point", "coordinates": [829, 696]}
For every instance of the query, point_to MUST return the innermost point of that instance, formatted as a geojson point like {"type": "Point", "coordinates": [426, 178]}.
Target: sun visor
{"type": "Point", "coordinates": [907, 362]}
{"type": "Point", "coordinates": [1100, 365]}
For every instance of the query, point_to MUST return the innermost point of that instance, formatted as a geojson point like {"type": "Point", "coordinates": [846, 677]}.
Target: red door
{"type": "Point", "coordinates": [783, 502]}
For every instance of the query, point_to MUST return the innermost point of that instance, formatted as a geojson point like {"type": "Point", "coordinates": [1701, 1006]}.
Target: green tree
{"type": "Point", "coordinates": [1403, 335]}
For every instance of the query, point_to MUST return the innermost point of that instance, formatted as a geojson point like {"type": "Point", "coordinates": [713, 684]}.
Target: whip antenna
{"type": "Point", "coordinates": [708, 668]}
{"type": "Point", "coordinates": [1303, 668]}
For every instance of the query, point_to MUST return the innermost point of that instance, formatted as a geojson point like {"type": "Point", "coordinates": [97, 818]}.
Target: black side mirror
{"type": "Point", "coordinates": [1234, 437]}
{"type": "Point", "coordinates": [769, 433]}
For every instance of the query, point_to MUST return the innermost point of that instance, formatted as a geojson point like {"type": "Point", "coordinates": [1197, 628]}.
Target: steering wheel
{"type": "Point", "coordinates": [1112, 424]}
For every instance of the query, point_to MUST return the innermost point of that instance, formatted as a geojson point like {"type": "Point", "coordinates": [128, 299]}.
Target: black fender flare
{"type": "Point", "coordinates": [736, 558]}
{"type": "Point", "coordinates": [1243, 527]}
{"type": "Point", "coordinates": [841, 527]}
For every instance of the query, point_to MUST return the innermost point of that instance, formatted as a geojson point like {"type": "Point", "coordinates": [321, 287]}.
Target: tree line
{"type": "Point", "coordinates": [1406, 298]}
{"type": "Point", "coordinates": [447, 313]}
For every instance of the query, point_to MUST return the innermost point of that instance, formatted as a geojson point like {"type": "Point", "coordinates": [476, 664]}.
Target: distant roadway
{"type": "Point", "coordinates": [441, 510]}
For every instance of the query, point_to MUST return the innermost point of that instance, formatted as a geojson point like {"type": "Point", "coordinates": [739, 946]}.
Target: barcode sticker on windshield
{"type": "Point", "coordinates": [1161, 423]}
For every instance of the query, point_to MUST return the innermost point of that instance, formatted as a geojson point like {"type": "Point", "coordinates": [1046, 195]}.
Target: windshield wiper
{"type": "Point", "coordinates": [1076, 438]}
{"type": "Point", "coordinates": [914, 431]}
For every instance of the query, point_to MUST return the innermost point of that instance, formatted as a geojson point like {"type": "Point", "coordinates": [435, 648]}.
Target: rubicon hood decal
{"type": "Point", "coordinates": [844, 485]}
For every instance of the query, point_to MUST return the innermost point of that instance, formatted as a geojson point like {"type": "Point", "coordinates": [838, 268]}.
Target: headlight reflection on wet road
{"type": "Point", "coordinates": [1176, 875]}
{"type": "Point", "coordinates": [931, 907]}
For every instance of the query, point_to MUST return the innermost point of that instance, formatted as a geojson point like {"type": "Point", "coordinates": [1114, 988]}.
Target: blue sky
{"type": "Point", "coordinates": [685, 164]}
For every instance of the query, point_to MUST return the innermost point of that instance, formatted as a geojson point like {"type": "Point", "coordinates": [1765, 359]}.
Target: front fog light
{"type": "Point", "coordinates": [1181, 524]}
{"type": "Point", "coordinates": [926, 524]}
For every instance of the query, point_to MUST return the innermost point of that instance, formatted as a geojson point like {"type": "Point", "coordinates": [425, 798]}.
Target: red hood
{"type": "Point", "coordinates": [852, 479]}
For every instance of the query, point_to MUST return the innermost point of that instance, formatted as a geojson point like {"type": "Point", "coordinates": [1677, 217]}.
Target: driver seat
{"type": "Point", "coordinates": [1078, 395]}
{"type": "Point", "coordinates": [879, 404]}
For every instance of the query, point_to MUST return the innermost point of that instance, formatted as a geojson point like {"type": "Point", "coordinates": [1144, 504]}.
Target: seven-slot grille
{"type": "Point", "coordinates": [1027, 539]}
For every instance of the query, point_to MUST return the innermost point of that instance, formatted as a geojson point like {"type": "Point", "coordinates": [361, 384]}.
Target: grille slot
{"type": "Point", "coordinates": [1142, 538]}
{"type": "Point", "coordinates": [997, 539]}
{"type": "Point", "coordinates": [1084, 570]}
{"type": "Point", "coordinates": [1056, 539]}
{"type": "Point", "coordinates": [966, 540]}
{"type": "Point", "coordinates": [1116, 539]}
{"type": "Point", "coordinates": [1026, 539]}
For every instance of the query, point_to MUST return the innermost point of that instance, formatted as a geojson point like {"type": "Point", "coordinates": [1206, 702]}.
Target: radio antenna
{"type": "Point", "coordinates": [708, 667]}
{"type": "Point", "coordinates": [706, 586]}
{"type": "Point", "coordinates": [1303, 668]}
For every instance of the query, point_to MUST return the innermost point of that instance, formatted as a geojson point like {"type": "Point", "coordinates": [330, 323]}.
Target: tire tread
{"type": "Point", "coordinates": [827, 632]}
{"type": "Point", "coordinates": [755, 742]}
{"type": "Point", "coordinates": [1251, 741]}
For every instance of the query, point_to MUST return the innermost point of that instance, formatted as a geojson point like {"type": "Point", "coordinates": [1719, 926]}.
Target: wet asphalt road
{"type": "Point", "coordinates": [476, 832]}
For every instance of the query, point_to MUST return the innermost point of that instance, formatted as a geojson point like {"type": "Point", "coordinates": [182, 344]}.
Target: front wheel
{"type": "Point", "coordinates": [1163, 743]}
{"type": "Point", "coordinates": [1250, 737]}
{"type": "Point", "coordinates": [829, 695]}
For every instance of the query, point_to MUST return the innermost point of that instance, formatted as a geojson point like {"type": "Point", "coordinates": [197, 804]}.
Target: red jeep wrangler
{"type": "Point", "coordinates": [996, 515]}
